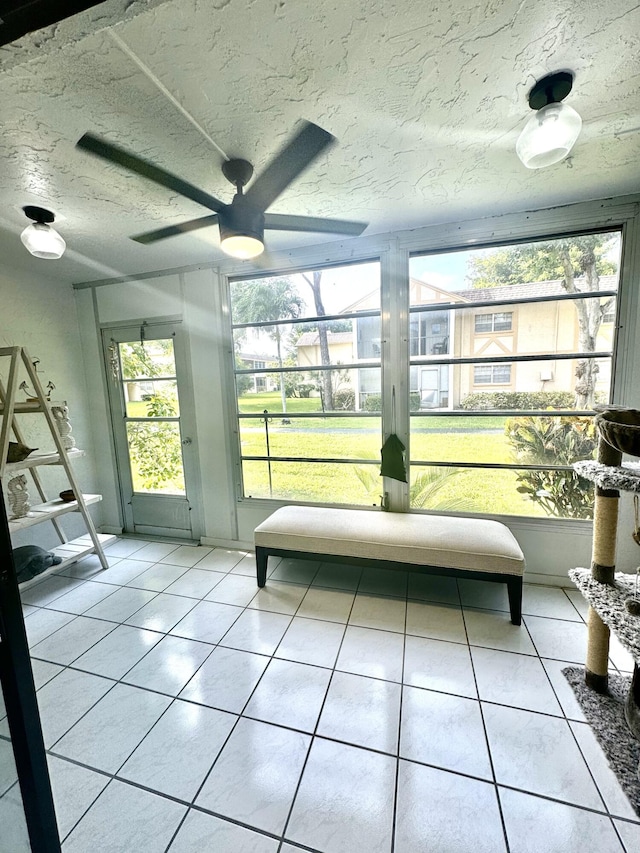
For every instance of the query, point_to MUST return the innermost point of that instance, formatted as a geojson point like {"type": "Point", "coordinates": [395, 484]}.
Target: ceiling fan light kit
{"type": "Point", "coordinates": [39, 238]}
{"type": "Point", "coordinates": [551, 133]}
{"type": "Point", "coordinates": [242, 223]}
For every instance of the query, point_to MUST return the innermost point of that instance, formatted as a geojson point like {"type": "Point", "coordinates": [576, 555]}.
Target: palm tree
{"type": "Point", "coordinates": [267, 300]}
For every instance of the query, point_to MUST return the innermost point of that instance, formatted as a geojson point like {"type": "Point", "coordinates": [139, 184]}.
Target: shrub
{"type": "Point", "coordinates": [554, 441]}
{"type": "Point", "coordinates": [373, 403]}
{"type": "Point", "coordinates": [345, 400]}
{"type": "Point", "coordinates": [485, 400]}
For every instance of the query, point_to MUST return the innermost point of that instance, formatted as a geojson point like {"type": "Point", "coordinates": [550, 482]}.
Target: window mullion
{"type": "Point", "coordinates": [395, 360]}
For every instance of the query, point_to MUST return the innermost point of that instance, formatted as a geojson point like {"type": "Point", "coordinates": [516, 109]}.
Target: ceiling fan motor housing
{"type": "Point", "coordinates": [240, 217]}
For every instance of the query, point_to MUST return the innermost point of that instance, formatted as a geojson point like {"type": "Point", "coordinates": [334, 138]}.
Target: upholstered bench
{"type": "Point", "coordinates": [476, 548]}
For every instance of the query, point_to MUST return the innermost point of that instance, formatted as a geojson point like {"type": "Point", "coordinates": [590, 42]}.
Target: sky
{"type": "Point", "coordinates": [343, 286]}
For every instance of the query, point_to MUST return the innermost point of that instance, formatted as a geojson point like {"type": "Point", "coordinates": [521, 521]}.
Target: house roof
{"type": "Point", "coordinates": [530, 289]}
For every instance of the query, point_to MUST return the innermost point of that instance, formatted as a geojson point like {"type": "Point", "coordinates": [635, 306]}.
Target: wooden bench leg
{"type": "Point", "coordinates": [261, 565]}
{"type": "Point", "coordinates": [514, 588]}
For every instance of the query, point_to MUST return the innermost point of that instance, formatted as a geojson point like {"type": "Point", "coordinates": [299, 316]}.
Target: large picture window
{"type": "Point", "coordinates": [506, 407]}
{"type": "Point", "coordinates": [310, 416]}
{"type": "Point", "coordinates": [509, 348]}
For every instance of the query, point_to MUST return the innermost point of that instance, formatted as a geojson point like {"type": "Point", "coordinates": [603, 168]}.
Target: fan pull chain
{"type": "Point", "coordinates": [124, 47]}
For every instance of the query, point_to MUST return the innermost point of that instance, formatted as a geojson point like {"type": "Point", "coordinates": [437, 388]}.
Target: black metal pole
{"type": "Point", "coordinates": [23, 717]}
{"type": "Point", "coordinates": [266, 435]}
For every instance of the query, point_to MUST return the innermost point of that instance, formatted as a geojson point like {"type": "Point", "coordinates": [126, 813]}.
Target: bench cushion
{"type": "Point", "coordinates": [476, 544]}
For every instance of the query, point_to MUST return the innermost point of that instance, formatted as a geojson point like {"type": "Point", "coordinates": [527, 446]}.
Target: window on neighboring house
{"type": "Point", "coordinates": [312, 429]}
{"type": "Point", "coordinates": [492, 374]}
{"type": "Point", "coordinates": [428, 334]}
{"type": "Point", "coordinates": [498, 422]}
{"type": "Point", "coordinates": [498, 322]}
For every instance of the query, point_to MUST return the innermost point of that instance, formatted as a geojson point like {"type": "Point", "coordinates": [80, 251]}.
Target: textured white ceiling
{"type": "Point", "coordinates": [426, 99]}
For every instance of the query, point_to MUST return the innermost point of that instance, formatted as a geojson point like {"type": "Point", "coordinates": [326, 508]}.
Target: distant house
{"type": "Point", "coordinates": [261, 382]}
{"type": "Point", "coordinates": [530, 329]}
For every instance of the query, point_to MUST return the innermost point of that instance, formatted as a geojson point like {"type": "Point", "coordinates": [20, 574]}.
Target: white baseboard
{"type": "Point", "coordinates": [231, 544]}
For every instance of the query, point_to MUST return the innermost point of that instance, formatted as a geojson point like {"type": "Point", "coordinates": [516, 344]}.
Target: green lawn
{"type": "Point", "coordinates": [436, 438]}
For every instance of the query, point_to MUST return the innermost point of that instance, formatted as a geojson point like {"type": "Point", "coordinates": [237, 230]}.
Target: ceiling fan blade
{"type": "Point", "coordinates": [173, 230]}
{"type": "Point", "coordinates": [114, 154]}
{"type": "Point", "coordinates": [282, 222]}
{"type": "Point", "coordinates": [294, 158]}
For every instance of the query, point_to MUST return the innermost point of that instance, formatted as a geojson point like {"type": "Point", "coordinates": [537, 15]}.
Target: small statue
{"type": "Point", "coordinates": [18, 496]}
{"type": "Point", "coordinates": [61, 414]}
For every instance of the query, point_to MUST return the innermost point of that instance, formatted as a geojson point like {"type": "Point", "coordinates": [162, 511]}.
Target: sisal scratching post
{"type": "Point", "coordinates": [603, 558]}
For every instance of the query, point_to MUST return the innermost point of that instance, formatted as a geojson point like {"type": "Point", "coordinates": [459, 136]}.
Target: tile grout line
{"type": "Point", "coordinates": [486, 737]}
{"type": "Point", "coordinates": [314, 734]}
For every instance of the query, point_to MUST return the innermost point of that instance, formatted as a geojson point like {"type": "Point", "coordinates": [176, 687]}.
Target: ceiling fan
{"type": "Point", "coordinates": [242, 222]}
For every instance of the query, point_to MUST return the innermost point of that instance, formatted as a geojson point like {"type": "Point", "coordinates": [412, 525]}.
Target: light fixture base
{"type": "Point", "coordinates": [238, 172]}
{"type": "Point", "coordinates": [551, 89]}
{"type": "Point", "coordinates": [38, 214]}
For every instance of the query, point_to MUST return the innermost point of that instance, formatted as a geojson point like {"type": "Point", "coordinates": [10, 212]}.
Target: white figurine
{"type": "Point", "coordinates": [18, 496]}
{"type": "Point", "coordinates": [61, 414]}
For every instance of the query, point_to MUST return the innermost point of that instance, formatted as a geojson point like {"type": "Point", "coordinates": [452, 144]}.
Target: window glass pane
{"type": "Point", "coordinates": [526, 385]}
{"type": "Point", "coordinates": [331, 438]}
{"type": "Point", "coordinates": [347, 390]}
{"type": "Point", "coordinates": [147, 360]}
{"type": "Point", "coordinates": [483, 322]}
{"type": "Point", "coordinates": [500, 439]}
{"type": "Point", "coordinates": [316, 482]}
{"type": "Point", "coordinates": [429, 333]}
{"type": "Point", "coordinates": [541, 494]}
{"type": "Point", "coordinates": [562, 302]}
{"type": "Point", "coordinates": [502, 321]}
{"type": "Point", "coordinates": [149, 399]}
{"type": "Point", "coordinates": [155, 455]}
{"type": "Point", "coordinates": [278, 325]}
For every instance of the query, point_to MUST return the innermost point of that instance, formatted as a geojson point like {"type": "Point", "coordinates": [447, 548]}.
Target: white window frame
{"type": "Point", "coordinates": [493, 322]}
{"type": "Point", "coordinates": [394, 250]}
{"type": "Point", "coordinates": [493, 370]}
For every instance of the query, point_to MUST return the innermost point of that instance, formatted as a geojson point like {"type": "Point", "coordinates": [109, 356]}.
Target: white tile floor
{"type": "Point", "coordinates": [334, 710]}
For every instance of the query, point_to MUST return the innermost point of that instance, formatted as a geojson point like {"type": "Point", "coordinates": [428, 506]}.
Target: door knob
{"type": "Point", "coordinates": [186, 440]}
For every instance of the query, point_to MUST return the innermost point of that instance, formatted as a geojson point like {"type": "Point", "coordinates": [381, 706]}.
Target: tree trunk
{"type": "Point", "coordinates": [325, 359]}
{"type": "Point", "coordinates": [282, 388]}
{"type": "Point", "coordinates": [590, 314]}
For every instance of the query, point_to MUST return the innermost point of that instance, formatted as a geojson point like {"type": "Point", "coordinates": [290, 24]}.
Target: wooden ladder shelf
{"type": "Point", "coordinates": [48, 510]}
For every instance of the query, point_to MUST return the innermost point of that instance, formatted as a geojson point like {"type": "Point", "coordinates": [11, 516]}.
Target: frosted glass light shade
{"type": "Point", "coordinates": [43, 241]}
{"type": "Point", "coordinates": [548, 136]}
{"type": "Point", "coordinates": [242, 246]}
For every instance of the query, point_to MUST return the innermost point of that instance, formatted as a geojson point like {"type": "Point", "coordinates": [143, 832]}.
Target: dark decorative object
{"type": "Point", "coordinates": [18, 452]}
{"type": "Point", "coordinates": [620, 428]}
{"type": "Point", "coordinates": [67, 495]}
{"type": "Point", "coordinates": [30, 560]}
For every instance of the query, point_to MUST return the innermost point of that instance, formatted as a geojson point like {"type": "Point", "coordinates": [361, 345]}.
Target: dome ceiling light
{"type": "Point", "coordinates": [551, 133]}
{"type": "Point", "coordinates": [40, 238]}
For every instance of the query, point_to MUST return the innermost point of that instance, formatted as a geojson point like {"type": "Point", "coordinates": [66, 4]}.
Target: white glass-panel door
{"type": "Point", "coordinates": [153, 421]}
